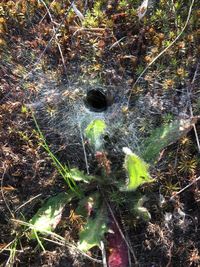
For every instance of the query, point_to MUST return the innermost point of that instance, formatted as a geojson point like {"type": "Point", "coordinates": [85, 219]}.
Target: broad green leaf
{"type": "Point", "coordinates": [164, 136]}
{"type": "Point", "coordinates": [94, 132]}
{"type": "Point", "coordinates": [78, 175]}
{"type": "Point", "coordinates": [137, 170]}
{"type": "Point", "coordinates": [49, 215]}
{"type": "Point", "coordinates": [93, 231]}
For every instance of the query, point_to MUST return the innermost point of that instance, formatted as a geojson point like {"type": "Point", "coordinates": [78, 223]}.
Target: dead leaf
{"type": "Point", "coordinates": [8, 188]}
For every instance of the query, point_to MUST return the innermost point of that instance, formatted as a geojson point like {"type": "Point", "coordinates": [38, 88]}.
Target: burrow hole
{"type": "Point", "coordinates": [96, 100]}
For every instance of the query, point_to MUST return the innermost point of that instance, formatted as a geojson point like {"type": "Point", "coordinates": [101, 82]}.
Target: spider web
{"type": "Point", "coordinates": [62, 114]}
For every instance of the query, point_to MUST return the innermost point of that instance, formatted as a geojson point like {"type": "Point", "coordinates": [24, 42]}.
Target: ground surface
{"type": "Point", "coordinates": [98, 43]}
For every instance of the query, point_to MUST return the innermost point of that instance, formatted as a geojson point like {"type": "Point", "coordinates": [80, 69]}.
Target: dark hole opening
{"type": "Point", "coordinates": [96, 100]}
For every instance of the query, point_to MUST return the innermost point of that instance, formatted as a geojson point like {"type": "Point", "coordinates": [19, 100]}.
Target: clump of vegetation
{"type": "Point", "coordinates": [93, 208]}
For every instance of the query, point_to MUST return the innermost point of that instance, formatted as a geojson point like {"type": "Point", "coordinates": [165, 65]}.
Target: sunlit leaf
{"type": "Point", "coordinates": [93, 231]}
{"type": "Point", "coordinates": [49, 215]}
{"type": "Point", "coordinates": [137, 170]}
{"type": "Point", "coordinates": [94, 132]}
{"type": "Point", "coordinates": [78, 175]}
{"type": "Point", "coordinates": [164, 136]}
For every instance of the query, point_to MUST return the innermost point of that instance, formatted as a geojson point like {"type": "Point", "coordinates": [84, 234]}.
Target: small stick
{"type": "Point", "coordinates": [196, 136]}
{"type": "Point", "coordinates": [189, 91]}
{"type": "Point", "coordinates": [47, 46]}
{"type": "Point", "coordinates": [103, 251]}
{"type": "Point", "coordinates": [2, 192]}
{"type": "Point", "coordinates": [24, 204]}
{"type": "Point", "coordinates": [45, 13]}
{"type": "Point", "coordinates": [77, 28]}
{"type": "Point", "coordinates": [170, 255]}
{"type": "Point", "coordinates": [116, 43]}
{"type": "Point", "coordinates": [56, 38]}
{"type": "Point", "coordinates": [73, 247]}
{"type": "Point", "coordinates": [84, 150]}
{"type": "Point", "coordinates": [120, 231]}
{"type": "Point", "coordinates": [186, 187]}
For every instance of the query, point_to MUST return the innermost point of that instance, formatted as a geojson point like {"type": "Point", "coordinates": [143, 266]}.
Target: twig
{"type": "Point", "coordinates": [117, 42]}
{"type": "Point", "coordinates": [78, 12]}
{"type": "Point", "coordinates": [120, 231]}
{"type": "Point", "coordinates": [56, 38]}
{"type": "Point", "coordinates": [186, 187]}
{"type": "Point", "coordinates": [49, 43]}
{"type": "Point", "coordinates": [170, 254]}
{"type": "Point", "coordinates": [76, 28]}
{"type": "Point", "coordinates": [189, 92]}
{"type": "Point", "coordinates": [84, 151]}
{"type": "Point", "coordinates": [73, 247]}
{"type": "Point", "coordinates": [24, 204]}
{"type": "Point", "coordinates": [45, 14]}
{"type": "Point", "coordinates": [196, 136]}
{"type": "Point", "coordinates": [126, 236]}
{"type": "Point", "coordinates": [2, 192]}
{"type": "Point", "coordinates": [7, 245]}
{"type": "Point", "coordinates": [163, 51]}
{"type": "Point", "coordinates": [103, 251]}
{"type": "Point", "coordinates": [129, 258]}
{"type": "Point", "coordinates": [60, 240]}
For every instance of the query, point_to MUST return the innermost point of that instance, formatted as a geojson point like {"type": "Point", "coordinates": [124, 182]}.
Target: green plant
{"type": "Point", "coordinates": [137, 170]}
{"type": "Point", "coordinates": [62, 169]}
{"type": "Point", "coordinates": [13, 250]}
{"type": "Point", "coordinates": [94, 132]}
{"type": "Point", "coordinates": [50, 213]}
{"type": "Point", "coordinates": [163, 136]}
{"type": "Point", "coordinates": [95, 17]}
{"type": "Point", "coordinates": [93, 206]}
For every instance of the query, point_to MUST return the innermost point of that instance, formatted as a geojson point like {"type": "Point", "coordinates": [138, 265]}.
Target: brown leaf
{"type": "Point", "coordinates": [8, 188]}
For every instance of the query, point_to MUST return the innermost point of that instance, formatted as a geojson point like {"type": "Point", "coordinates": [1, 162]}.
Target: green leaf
{"type": "Point", "coordinates": [164, 136]}
{"type": "Point", "coordinates": [93, 231]}
{"type": "Point", "coordinates": [137, 170]}
{"type": "Point", "coordinates": [24, 109]}
{"type": "Point", "coordinates": [78, 175]}
{"type": "Point", "coordinates": [94, 132]}
{"type": "Point", "coordinates": [49, 215]}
